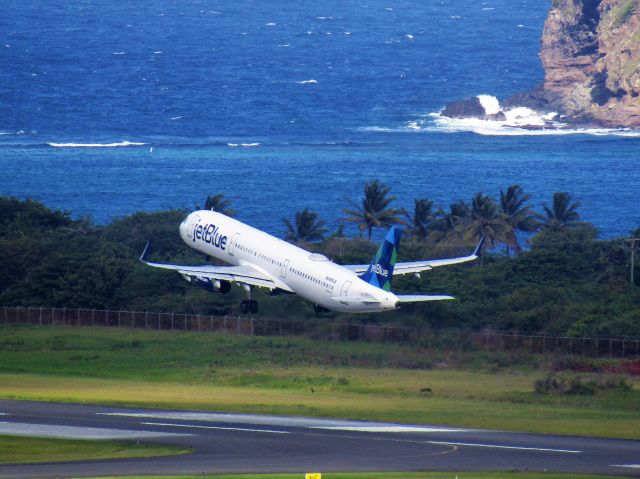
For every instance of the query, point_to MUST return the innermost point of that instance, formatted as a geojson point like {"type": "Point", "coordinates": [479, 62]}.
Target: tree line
{"type": "Point", "coordinates": [564, 282]}
{"type": "Point", "coordinates": [500, 222]}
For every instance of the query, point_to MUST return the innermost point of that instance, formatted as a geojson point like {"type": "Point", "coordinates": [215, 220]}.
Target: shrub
{"type": "Point", "coordinates": [554, 383]}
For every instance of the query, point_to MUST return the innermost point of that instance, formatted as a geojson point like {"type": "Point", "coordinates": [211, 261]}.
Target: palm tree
{"type": "Point", "coordinates": [449, 223]}
{"type": "Point", "coordinates": [308, 227]}
{"type": "Point", "coordinates": [514, 205]}
{"type": "Point", "coordinates": [563, 213]}
{"type": "Point", "coordinates": [422, 220]}
{"type": "Point", "coordinates": [486, 221]}
{"type": "Point", "coordinates": [220, 204]}
{"type": "Point", "coordinates": [375, 211]}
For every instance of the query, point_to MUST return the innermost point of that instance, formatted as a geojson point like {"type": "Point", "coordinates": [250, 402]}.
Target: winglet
{"type": "Point", "coordinates": [478, 250]}
{"type": "Point", "coordinates": [144, 252]}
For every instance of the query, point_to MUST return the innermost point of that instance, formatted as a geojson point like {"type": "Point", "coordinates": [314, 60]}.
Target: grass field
{"type": "Point", "coordinates": [392, 475]}
{"type": "Point", "coordinates": [288, 376]}
{"type": "Point", "coordinates": [14, 450]}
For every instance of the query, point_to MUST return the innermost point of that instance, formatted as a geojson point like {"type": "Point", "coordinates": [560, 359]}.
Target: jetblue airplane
{"type": "Point", "coordinates": [259, 259]}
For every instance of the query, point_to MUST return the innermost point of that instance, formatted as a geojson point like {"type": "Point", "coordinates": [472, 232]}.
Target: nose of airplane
{"type": "Point", "coordinates": [184, 227]}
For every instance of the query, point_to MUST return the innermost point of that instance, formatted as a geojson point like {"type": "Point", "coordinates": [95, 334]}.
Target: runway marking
{"type": "Point", "coordinates": [498, 446]}
{"type": "Point", "coordinates": [389, 429]}
{"type": "Point", "coordinates": [283, 421]}
{"type": "Point", "coordinates": [628, 466]}
{"type": "Point", "coordinates": [75, 432]}
{"type": "Point", "coordinates": [215, 427]}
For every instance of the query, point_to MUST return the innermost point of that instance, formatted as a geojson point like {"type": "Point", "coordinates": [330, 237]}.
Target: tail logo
{"type": "Point", "coordinates": [380, 270]}
{"type": "Point", "coordinates": [377, 269]}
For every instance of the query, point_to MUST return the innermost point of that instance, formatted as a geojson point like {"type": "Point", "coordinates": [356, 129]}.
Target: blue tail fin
{"type": "Point", "coordinates": [380, 271]}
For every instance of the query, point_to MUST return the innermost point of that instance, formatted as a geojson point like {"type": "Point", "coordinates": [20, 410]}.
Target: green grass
{"type": "Point", "coordinates": [386, 382]}
{"type": "Point", "coordinates": [390, 475]}
{"type": "Point", "coordinates": [14, 450]}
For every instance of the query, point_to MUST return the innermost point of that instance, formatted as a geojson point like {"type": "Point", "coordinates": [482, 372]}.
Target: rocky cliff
{"type": "Point", "coordinates": [591, 57]}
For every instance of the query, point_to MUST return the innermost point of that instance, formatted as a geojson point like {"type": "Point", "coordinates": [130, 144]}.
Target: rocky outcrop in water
{"type": "Point", "coordinates": [591, 56]}
{"type": "Point", "coordinates": [590, 51]}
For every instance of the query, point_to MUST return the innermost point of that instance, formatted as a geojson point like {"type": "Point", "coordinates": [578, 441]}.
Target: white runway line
{"type": "Point", "coordinates": [73, 432]}
{"type": "Point", "coordinates": [271, 431]}
{"type": "Point", "coordinates": [283, 421]}
{"type": "Point", "coordinates": [390, 428]}
{"type": "Point", "coordinates": [498, 446]}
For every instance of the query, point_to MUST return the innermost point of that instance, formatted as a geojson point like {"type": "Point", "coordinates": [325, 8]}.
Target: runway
{"type": "Point", "coordinates": [243, 443]}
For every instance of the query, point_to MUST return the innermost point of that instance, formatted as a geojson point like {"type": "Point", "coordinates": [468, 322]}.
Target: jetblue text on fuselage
{"type": "Point", "coordinates": [210, 234]}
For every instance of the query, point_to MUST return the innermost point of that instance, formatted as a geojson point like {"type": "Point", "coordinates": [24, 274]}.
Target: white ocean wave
{"type": "Point", "coordinates": [245, 145]}
{"type": "Point", "coordinates": [96, 145]}
{"type": "Point", "coordinates": [519, 121]}
{"type": "Point", "coordinates": [307, 82]}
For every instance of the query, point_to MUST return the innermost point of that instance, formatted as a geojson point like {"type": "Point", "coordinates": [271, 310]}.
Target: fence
{"type": "Point", "coordinates": [319, 329]}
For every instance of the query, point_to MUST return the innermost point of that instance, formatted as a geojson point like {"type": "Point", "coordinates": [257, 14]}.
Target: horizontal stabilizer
{"type": "Point", "coordinates": [415, 298]}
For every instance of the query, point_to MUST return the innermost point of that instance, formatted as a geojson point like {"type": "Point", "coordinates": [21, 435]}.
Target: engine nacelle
{"type": "Point", "coordinates": [211, 285]}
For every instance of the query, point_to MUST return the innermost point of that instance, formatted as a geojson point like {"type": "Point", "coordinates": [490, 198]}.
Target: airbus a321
{"type": "Point", "coordinates": [260, 260]}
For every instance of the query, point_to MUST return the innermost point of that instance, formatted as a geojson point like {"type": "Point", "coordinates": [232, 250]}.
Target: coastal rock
{"type": "Point", "coordinates": [471, 108]}
{"type": "Point", "coordinates": [500, 116]}
{"type": "Point", "coordinates": [591, 56]}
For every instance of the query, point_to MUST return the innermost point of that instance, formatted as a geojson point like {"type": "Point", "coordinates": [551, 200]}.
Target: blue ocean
{"type": "Point", "coordinates": [108, 108]}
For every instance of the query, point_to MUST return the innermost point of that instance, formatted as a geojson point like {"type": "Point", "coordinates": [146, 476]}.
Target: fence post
{"type": "Point", "coordinates": [238, 325]}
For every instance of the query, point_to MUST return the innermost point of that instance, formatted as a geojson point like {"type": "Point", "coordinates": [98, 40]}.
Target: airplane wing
{"type": "Point", "coordinates": [419, 266]}
{"type": "Point", "coordinates": [244, 274]}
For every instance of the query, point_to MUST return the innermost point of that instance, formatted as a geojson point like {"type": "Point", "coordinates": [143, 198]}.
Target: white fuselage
{"type": "Point", "coordinates": [310, 275]}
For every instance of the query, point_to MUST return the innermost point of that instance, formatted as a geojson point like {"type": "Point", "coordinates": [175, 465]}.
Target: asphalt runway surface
{"type": "Point", "coordinates": [243, 443]}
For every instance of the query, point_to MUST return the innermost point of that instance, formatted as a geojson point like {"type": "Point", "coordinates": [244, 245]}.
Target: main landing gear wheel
{"type": "Point", "coordinates": [250, 306]}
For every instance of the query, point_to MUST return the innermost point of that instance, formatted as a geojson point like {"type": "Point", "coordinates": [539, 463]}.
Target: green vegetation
{"type": "Point", "coordinates": [15, 450]}
{"type": "Point", "coordinates": [621, 13]}
{"type": "Point", "coordinates": [291, 376]}
{"type": "Point", "coordinates": [391, 475]}
{"type": "Point", "coordinates": [566, 283]}
{"type": "Point", "coordinates": [307, 227]}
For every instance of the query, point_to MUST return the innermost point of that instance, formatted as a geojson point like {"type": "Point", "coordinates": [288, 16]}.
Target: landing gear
{"type": "Point", "coordinates": [249, 306]}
